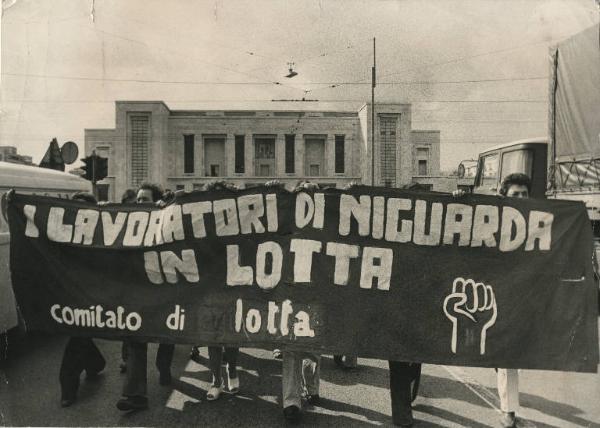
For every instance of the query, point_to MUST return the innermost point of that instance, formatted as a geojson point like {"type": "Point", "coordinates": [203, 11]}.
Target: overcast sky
{"type": "Point", "coordinates": [476, 70]}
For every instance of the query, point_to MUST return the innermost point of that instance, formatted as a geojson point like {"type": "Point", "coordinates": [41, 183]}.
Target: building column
{"type": "Point", "coordinates": [280, 155]}
{"type": "Point", "coordinates": [329, 169]}
{"type": "Point", "coordinates": [198, 155]}
{"type": "Point", "coordinates": [348, 165]}
{"type": "Point", "coordinates": [248, 155]}
{"type": "Point", "coordinates": [299, 156]}
{"type": "Point", "coordinates": [229, 155]}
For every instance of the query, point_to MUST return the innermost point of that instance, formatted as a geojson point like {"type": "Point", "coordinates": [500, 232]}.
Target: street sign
{"type": "Point", "coordinates": [53, 158]}
{"type": "Point", "coordinates": [69, 152]}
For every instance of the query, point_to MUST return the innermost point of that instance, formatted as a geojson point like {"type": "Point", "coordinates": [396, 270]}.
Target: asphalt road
{"type": "Point", "coordinates": [448, 397]}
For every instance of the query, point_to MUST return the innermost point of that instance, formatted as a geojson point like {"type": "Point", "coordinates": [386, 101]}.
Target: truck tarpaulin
{"type": "Point", "coordinates": [574, 122]}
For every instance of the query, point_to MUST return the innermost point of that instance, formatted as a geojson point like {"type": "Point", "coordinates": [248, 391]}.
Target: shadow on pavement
{"type": "Point", "coordinates": [447, 416]}
{"type": "Point", "coordinates": [435, 387]}
{"type": "Point", "coordinates": [260, 396]}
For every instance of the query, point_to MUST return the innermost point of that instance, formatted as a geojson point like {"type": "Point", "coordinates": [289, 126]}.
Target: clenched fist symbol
{"type": "Point", "coordinates": [472, 305]}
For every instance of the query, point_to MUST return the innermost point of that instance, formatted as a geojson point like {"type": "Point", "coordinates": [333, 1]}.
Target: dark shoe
{"type": "Point", "coordinates": [292, 414]}
{"type": "Point", "coordinates": [66, 402]}
{"type": "Point", "coordinates": [405, 420]}
{"type": "Point", "coordinates": [195, 355]}
{"type": "Point", "coordinates": [313, 399]}
{"type": "Point", "coordinates": [277, 354]}
{"type": "Point", "coordinates": [165, 378]}
{"type": "Point", "coordinates": [508, 420]}
{"type": "Point", "coordinates": [337, 359]}
{"type": "Point", "coordinates": [135, 402]}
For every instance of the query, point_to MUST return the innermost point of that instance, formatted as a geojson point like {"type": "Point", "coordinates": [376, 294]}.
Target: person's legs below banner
{"type": "Point", "coordinates": [164, 358]}
{"type": "Point", "coordinates": [402, 375]}
{"type": "Point", "coordinates": [123, 364]}
{"type": "Point", "coordinates": [94, 361]}
{"type": "Point", "coordinates": [80, 354]}
{"type": "Point", "coordinates": [508, 391]}
{"type": "Point", "coordinates": [70, 370]}
{"type": "Point", "coordinates": [311, 374]}
{"type": "Point", "coordinates": [291, 385]}
{"type": "Point", "coordinates": [134, 389]}
{"type": "Point", "coordinates": [230, 358]}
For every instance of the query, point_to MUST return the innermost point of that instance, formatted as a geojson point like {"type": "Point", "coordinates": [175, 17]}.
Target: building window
{"type": "Point", "coordinates": [104, 151]}
{"type": "Point", "coordinates": [179, 187]}
{"type": "Point", "coordinates": [264, 156]}
{"type": "Point", "coordinates": [290, 154]}
{"type": "Point", "coordinates": [388, 150]}
{"type": "Point", "coordinates": [239, 154]}
{"type": "Point", "coordinates": [489, 175]}
{"type": "Point", "coordinates": [102, 190]}
{"type": "Point", "coordinates": [139, 149]}
{"type": "Point", "coordinates": [314, 152]}
{"type": "Point", "coordinates": [188, 154]}
{"type": "Point", "coordinates": [422, 158]}
{"type": "Point", "coordinates": [214, 156]}
{"type": "Point", "coordinates": [339, 154]}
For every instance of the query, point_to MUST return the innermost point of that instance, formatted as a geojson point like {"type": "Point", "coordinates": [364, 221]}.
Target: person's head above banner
{"type": "Point", "coordinates": [515, 185]}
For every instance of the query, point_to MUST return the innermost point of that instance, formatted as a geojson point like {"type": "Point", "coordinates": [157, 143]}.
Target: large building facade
{"type": "Point", "coordinates": [184, 149]}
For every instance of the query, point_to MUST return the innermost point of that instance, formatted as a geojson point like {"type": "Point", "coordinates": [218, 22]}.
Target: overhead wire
{"type": "Point", "coordinates": [280, 100]}
{"type": "Point", "coordinates": [326, 54]}
{"type": "Point", "coordinates": [219, 82]}
{"type": "Point", "coordinates": [437, 64]}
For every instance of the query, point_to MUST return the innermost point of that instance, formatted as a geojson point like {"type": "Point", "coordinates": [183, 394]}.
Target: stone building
{"type": "Point", "coordinates": [184, 149]}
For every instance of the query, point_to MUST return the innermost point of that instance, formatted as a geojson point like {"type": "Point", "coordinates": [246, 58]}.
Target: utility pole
{"type": "Point", "coordinates": [373, 83]}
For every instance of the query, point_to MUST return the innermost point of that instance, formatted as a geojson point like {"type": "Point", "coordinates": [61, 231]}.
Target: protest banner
{"type": "Point", "coordinates": [383, 273]}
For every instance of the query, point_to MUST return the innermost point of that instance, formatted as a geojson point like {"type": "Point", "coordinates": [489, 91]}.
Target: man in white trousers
{"type": "Point", "coordinates": [513, 186]}
{"type": "Point", "coordinates": [300, 378]}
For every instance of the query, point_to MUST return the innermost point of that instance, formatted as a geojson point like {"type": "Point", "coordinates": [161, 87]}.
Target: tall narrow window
{"type": "Point", "coordinates": [314, 156]}
{"type": "Point", "coordinates": [264, 156]}
{"type": "Point", "coordinates": [214, 156]}
{"type": "Point", "coordinates": [339, 153]}
{"type": "Point", "coordinates": [239, 154]}
{"type": "Point", "coordinates": [139, 149]}
{"type": "Point", "coordinates": [422, 158]}
{"type": "Point", "coordinates": [188, 154]}
{"type": "Point", "coordinates": [290, 154]}
{"type": "Point", "coordinates": [387, 126]}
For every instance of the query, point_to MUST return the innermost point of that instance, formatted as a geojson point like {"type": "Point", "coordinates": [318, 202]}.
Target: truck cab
{"type": "Point", "coordinates": [525, 156]}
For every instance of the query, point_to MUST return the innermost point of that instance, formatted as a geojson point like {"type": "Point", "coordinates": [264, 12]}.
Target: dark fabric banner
{"type": "Point", "coordinates": [383, 273]}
